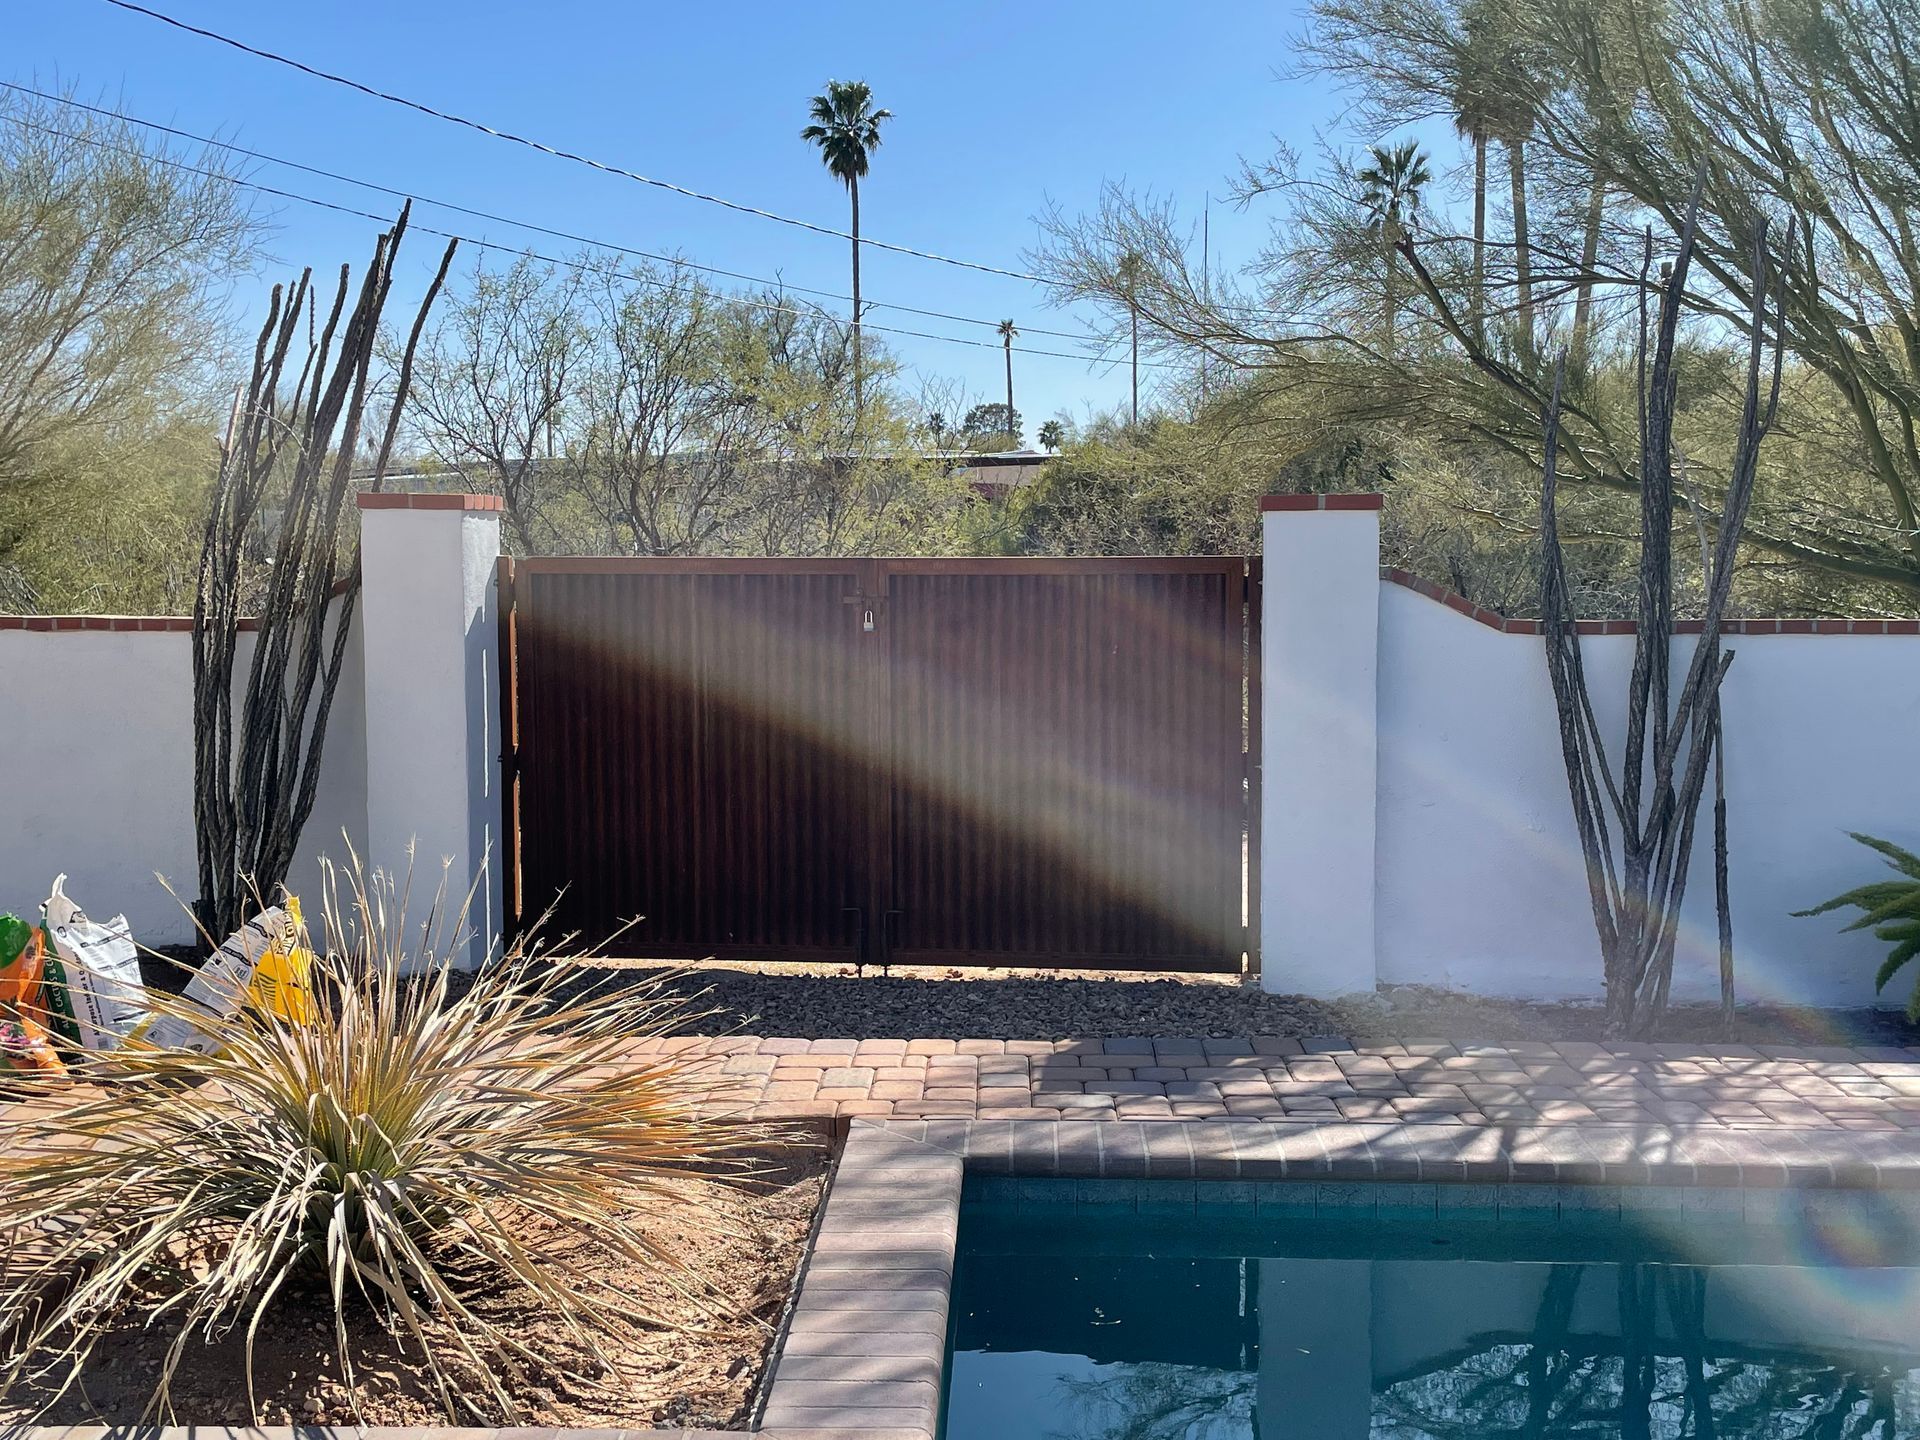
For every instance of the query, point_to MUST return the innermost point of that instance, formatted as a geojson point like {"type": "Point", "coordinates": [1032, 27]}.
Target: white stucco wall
{"type": "Point", "coordinates": [1318, 638]}
{"type": "Point", "coordinates": [96, 773]}
{"type": "Point", "coordinates": [433, 700]}
{"type": "Point", "coordinates": [1417, 828]}
{"type": "Point", "coordinates": [1478, 877]}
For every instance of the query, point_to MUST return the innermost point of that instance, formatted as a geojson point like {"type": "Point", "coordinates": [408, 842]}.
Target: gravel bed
{"type": "Point", "coordinates": [817, 1002]}
{"type": "Point", "coordinates": [822, 1002]}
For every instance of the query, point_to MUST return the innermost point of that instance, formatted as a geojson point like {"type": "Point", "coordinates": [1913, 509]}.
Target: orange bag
{"type": "Point", "coordinates": [25, 1047]}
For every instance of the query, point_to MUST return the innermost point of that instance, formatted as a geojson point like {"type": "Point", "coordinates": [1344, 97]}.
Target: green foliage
{"type": "Point", "coordinates": [1604, 112]}
{"type": "Point", "coordinates": [114, 268]}
{"type": "Point", "coordinates": [113, 263]}
{"type": "Point", "coordinates": [1166, 489]}
{"type": "Point", "coordinates": [1392, 184]}
{"type": "Point", "coordinates": [110, 524]}
{"type": "Point", "coordinates": [1891, 909]}
{"type": "Point", "coordinates": [846, 127]}
{"type": "Point", "coordinates": [992, 424]}
{"type": "Point", "coordinates": [638, 410]}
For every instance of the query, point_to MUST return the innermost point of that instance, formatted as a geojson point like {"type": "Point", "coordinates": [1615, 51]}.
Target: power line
{"type": "Point", "coordinates": [571, 264]}
{"type": "Point", "coordinates": [496, 219]}
{"type": "Point", "coordinates": [563, 154]}
{"type": "Point", "coordinates": [611, 169]}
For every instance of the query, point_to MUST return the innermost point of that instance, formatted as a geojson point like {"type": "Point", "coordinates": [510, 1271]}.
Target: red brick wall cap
{"type": "Point", "coordinates": [405, 500]}
{"type": "Point", "coordinates": [1321, 502]}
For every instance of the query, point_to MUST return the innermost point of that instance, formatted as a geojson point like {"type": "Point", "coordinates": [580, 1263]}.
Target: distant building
{"type": "Point", "coordinates": [993, 476]}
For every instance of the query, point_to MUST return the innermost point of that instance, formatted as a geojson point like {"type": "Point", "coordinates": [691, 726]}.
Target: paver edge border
{"type": "Point", "coordinates": [881, 1269]}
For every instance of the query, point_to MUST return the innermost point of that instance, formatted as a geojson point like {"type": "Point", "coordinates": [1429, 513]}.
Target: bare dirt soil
{"type": "Point", "coordinates": [832, 1002]}
{"type": "Point", "coordinates": [694, 1361]}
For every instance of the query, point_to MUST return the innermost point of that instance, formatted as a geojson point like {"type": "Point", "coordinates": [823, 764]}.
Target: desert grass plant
{"type": "Point", "coordinates": [429, 1135]}
{"type": "Point", "coordinates": [1891, 909]}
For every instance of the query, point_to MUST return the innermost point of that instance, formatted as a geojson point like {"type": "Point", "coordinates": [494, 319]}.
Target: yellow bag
{"type": "Point", "coordinates": [282, 981]}
{"type": "Point", "coordinates": [262, 965]}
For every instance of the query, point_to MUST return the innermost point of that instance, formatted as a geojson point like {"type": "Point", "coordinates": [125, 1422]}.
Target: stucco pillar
{"type": "Point", "coordinates": [1320, 636]}
{"type": "Point", "coordinates": [431, 631]}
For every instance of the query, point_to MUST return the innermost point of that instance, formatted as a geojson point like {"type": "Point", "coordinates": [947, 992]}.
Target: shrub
{"type": "Point", "coordinates": [421, 1132]}
{"type": "Point", "coordinates": [1892, 909]}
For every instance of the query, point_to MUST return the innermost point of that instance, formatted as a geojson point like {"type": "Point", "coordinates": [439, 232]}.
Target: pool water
{"type": "Point", "coordinates": [1085, 1321]}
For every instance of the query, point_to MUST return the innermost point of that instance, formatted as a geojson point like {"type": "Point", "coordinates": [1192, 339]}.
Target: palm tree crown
{"type": "Point", "coordinates": [1391, 186]}
{"type": "Point", "coordinates": [846, 128]}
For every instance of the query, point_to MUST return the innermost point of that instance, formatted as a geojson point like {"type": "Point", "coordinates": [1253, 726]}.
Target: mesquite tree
{"type": "Point", "coordinates": [286, 473]}
{"type": "Point", "coordinates": [1638, 880]}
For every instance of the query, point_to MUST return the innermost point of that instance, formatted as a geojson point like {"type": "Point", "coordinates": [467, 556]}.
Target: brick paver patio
{"type": "Point", "coordinates": [1717, 1133]}
{"type": "Point", "coordinates": [1426, 1082]}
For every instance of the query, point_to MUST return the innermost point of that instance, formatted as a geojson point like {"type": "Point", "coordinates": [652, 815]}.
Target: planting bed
{"type": "Point", "coordinates": [697, 1365]}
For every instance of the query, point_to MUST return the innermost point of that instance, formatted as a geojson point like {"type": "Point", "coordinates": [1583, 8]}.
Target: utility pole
{"type": "Point", "coordinates": [1135, 310]}
{"type": "Point", "coordinates": [1206, 280]}
{"type": "Point", "coordinates": [1130, 273]}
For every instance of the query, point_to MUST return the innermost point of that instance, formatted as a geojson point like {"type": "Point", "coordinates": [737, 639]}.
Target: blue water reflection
{"type": "Point", "coordinates": [1071, 1329]}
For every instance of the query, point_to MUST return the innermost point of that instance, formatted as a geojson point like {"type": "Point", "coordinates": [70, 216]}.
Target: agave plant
{"type": "Point", "coordinates": [1892, 909]}
{"type": "Point", "coordinates": [422, 1130]}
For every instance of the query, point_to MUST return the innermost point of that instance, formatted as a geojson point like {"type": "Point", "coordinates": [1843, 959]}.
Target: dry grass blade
{"type": "Point", "coordinates": [421, 1132]}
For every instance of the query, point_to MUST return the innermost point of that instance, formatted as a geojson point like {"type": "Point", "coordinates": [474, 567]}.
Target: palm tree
{"type": "Point", "coordinates": [1390, 190]}
{"type": "Point", "coordinates": [1589, 257]}
{"type": "Point", "coordinates": [1505, 67]}
{"type": "Point", "coordinates": [1609, 106]}
{"type": "Point", "coordinates": [1052, 435]}
{"type": "Point", "coordinates": [846, 127]}
{"type": "Point", "coordinates": [1007, 332]}
{"type": "Point", "coordinates": [1473, 120]}
{"type": "Point", "coordinates": [1516, 143]}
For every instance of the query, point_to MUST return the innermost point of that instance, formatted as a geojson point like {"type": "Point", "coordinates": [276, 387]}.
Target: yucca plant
{"type": "Point", "coordinates": [423, 1136]}
{"type": "Point", "coordinates": [1891, 908]}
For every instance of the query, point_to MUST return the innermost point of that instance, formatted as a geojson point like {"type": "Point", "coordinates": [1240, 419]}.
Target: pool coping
{"type": "Point", "coordinates": [875, 1294]}
{"type": "Point", "coordinates": [864, 1353]}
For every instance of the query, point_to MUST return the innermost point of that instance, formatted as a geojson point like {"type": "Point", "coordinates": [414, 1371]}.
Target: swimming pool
{"type": "Point", "coordinates": [1118, 1311]}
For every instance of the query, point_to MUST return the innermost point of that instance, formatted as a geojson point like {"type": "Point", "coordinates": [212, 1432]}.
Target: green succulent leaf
{"type": "Point", "coordinates": [1890, 909]}
{"type": "Point", "coordinates": [1869, 897]}
{"type": "Point", "coordinates": [1903, 860]}
{"type": "Point", "coordinates": [1891, 966]}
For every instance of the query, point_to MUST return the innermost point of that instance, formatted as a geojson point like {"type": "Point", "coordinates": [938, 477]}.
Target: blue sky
{"type": "Point", "coordinates": [1000, 109]}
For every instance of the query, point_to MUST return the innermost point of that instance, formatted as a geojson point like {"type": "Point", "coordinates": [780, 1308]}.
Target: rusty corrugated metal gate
{"type": "Point", "coordinates": [927, 761]}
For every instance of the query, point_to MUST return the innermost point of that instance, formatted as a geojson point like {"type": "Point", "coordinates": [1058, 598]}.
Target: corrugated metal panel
{"type": "Point", "coordinates": [1022, 761]}
{"type": "Point", "coordinates": [692, 755]}
{"type": "Point", "coordinates": [1067, 766]}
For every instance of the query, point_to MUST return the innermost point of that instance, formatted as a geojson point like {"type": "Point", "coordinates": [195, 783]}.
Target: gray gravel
{"type": "Point", "coordinates": [825, 1002]}
{"type": "Point", "coordinates": [789, 1001]}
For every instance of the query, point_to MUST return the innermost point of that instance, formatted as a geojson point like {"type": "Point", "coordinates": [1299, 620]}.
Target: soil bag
{"type": "Point", "coordinates": [264, 965]}
{"type": "Point", "coordinates": [25, 1047]}
{"type": "Point", "coordinates": [93, 995]}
